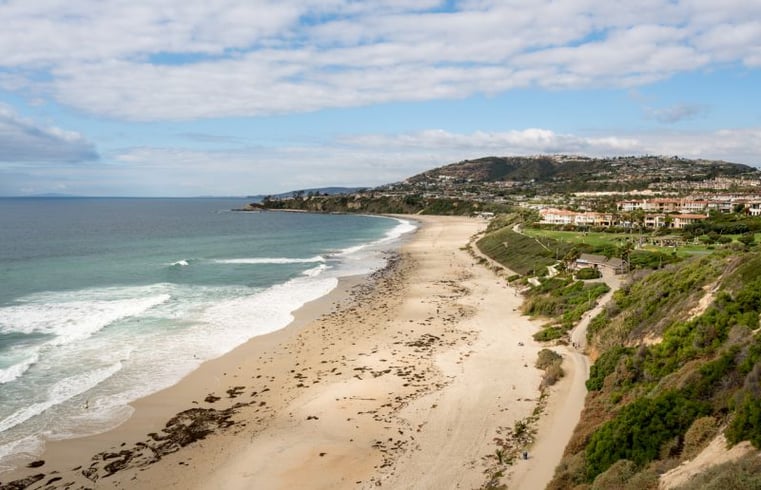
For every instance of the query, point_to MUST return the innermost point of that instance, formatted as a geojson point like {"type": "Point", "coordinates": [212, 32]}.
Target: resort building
{"type": "Point", "coordinates": [554, 216]}
{"type": "Point", "coordinates": [682, 220]}
{"type": "Point", "coordinates": [667, 205]}
{"type": "Point", "coordinates": [564, 217]}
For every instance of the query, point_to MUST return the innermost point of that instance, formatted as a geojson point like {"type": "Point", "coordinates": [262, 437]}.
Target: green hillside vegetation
{"type": "Point", "coordinates": [578, 173]}
{"type": "Point", "coordinates": [731, 231]}
{"type": "Point", "coordinates": [520, 253]}
{"type": "Point", "coordinates": [679, 361]}
{"type": "Point", "coordinates": [560, 299]}
{"type": "Point", "coordinates": [563, 301]}
{"type": "Point", "coordinates": [411, 204]}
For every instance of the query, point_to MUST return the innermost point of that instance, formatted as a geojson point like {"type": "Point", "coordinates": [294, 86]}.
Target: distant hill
{"type": "Point", "coordinates": [579, 172]}
{"type": "Point", "coordinates": [330, 191]}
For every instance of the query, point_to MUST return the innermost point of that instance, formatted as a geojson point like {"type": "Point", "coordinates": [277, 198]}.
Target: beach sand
{"type": "Point", "coordinates": [401, 380]}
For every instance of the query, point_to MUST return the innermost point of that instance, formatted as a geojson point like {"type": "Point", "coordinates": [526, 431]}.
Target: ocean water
{"type": "Point", "coordinates": [96, 295]}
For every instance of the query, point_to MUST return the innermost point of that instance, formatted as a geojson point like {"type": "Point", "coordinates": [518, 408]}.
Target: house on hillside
{"type": "Point", "coordinates": [553, 216]}
{"type": "Point", "coordinates": [616, 265]}
{"type": "Point", "coordinates": [682, 220]}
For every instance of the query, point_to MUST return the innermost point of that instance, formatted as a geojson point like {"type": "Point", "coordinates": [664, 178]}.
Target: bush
{"type": "Point", "coordinates": [644, 480]}
{"type": "Point", "coordinates": [643, 259]}
{"type": "Point", "coordinates": [639, 431]}
{"type": "Point", "coordinates": [746, 423]}
{"type": "Point", "coordinates": [547, 358]}
{"type": "Point", "coordinates": [549, 333]}
{"type": "Point", "coordinates": [588, 273]}
{"type": "Point", "coordinates": [605, 365]}
{"type": "Point", "coordinates": [552, 375]}
{"type": "Point", "coordinates": [615, 476]}
{"type": "Point", "coordinates": [744, 473]}
{"type": "Point", "coordinates": [698, 436]}
{"type": "Point", "coordinates": [569, 473]}
{"type": "Point", "coordinates": [550, 361]}
{"type": "Point", "coordinates": [563, 298]}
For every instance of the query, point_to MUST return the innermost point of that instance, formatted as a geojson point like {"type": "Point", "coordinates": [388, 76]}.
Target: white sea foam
{"type": "Point", "coordinates": [395, 233]}
{"type": "Point", "coordinates": [73, 320]}
{"type": "Point", "coordinates": [404, 227]}
{"type": "Point", "coordinates": [244, 318]}
{"type": "Point", "coordinates": [31, 445]}
{"type": "Point", "coordinates": [271, 260]}
{"type": "Point", "coordinates": [60, 392]}
{"type": "Point", "coordinates": [75, 337]}
{"type": "Point", "coordinates": [315, 271]}
{"type": "Point", "coordinates": [189, 323]}
{"type": "Point", "coordinates": [16, 370]}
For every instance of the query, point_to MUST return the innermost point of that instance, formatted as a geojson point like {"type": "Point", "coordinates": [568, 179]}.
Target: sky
{"type": "Point", "coordinates": [232, 98]}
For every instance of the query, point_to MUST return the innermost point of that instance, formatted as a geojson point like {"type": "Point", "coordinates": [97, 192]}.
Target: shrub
{"type": "Point", "coordinates": [549, 333]}
{"type": "Point", "coordinates": [550, 361]}
{"type": "Point", "coordinates": [605, 365]}
{"type": "Point", "coordinates": [698, 436]}
{"type": "Point", "coordinates": [569, 473]}
{"type": "Point", "coordinates": [552, 375]}
{"type": "Point", "coordinates": [547, 358]}
{"type": "Point", "coordinates": [746, 423]}
{"type": "Point", "coordinates": [639, 431]}
{"type": "Point", "coordinates": [644, 480]}
{"type": "Point", "coordinates": [615, 476]}
{"type": "Point", "coordinates": [744, 473]}
{"type": "Point", "coordinates": [643, 259]}
{"type": "Point", "coordinates": [588, 273]}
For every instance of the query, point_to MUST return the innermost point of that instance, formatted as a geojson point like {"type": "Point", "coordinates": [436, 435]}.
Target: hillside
{"type": "Point", "coordinates": [378, 204]}
{"type": "Point", "coordinates": [576, 173]}
{"type": "Point", "coordinates": [319, 191]}
{"type": "Point", "coordinates": [676, 377]}
{"type": "Point", "coordinates": [679, 362]}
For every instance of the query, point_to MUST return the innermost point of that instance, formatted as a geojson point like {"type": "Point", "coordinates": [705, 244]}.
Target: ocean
{"type": "Point", "coordinates": [96, 294]}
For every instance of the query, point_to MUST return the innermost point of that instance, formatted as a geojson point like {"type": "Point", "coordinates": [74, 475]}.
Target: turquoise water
{"type": "Point", "coordinates": [97, 294]}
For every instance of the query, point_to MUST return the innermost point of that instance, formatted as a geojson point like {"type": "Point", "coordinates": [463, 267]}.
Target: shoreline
{"type": "Point", "coordinates": [151, 412]}
{"type": "Point", "coordinates": [404, 379]}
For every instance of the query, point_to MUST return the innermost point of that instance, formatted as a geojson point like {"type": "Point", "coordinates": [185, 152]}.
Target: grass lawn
{"type": "Point", "coordinates": [520, 253]}
{"type": "Point", "coordinates": [596, 239]}
{"type": "Point", "coordinates": [599, 239]}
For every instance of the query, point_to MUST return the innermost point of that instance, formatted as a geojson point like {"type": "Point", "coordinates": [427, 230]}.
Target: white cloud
{"type": "Point", "coordinates": [737, 145]}
{"type": "Point", "coordinates": [676, 113]}
{"type": "Point", "coordinates": [358, 160]}
{"type": "Point", "coordinates": [23, 141]}
{"type": "Point", "coordinates": [193, 58]}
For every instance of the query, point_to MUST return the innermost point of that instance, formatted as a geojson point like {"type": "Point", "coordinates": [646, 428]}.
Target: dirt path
{"type": "Point", "coordinates": [579, 333]}
{"type": "Point", "coordinates": [564, 407]}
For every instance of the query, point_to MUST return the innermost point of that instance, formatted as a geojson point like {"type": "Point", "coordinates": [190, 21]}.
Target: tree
{"type": "Point", "coordinates": [747, 239]}
{"type": "Point", "coordinates": [570, 257]}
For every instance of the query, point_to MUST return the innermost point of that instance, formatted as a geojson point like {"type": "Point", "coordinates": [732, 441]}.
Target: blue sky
{"type": "Point", "coordinates": [191, 97]}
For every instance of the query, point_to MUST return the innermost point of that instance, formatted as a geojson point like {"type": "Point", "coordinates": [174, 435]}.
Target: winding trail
{"type": "Point", "coordinates": [564, 406]}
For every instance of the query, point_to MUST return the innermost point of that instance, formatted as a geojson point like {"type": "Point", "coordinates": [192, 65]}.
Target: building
{"type": "Point", "coordinates": [554, 216]}
{"type": "Point", "coordinates": [682, 220]}
{"type": "Point", "coordinates": [564, 217]}
{"type": "Point", "coordinates": [617, 266]}
{"type": "Point", "coordinates": [665, 205]}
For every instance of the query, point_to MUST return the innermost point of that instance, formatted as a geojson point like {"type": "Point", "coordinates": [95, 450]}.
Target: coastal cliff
{"type": "Point", "coordinates": [678, 357]}
{"type": "Point", "coordinates": [673, 395]}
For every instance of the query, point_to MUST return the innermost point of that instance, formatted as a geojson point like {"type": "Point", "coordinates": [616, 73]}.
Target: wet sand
{"type": "Point", "coordinates": [403, 381]}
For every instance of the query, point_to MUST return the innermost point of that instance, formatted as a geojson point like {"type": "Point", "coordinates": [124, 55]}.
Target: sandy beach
{"type": "Point", "coordinates": [401, 380]}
